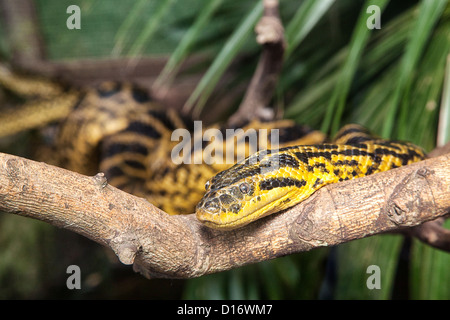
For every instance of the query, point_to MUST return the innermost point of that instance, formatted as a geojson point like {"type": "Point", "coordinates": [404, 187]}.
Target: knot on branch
{"type": "Point", "coordinates": [411, 199]}
{"type": "Point", "coordinates": [269, 30]}
{"type": "Point", "coordinates": [100, 180]}
{"type": "Point", "coordinates": [125, 248]}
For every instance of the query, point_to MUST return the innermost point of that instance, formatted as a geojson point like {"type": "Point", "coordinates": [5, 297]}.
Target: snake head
{"type": "Point", "coordinates": [251, 189]}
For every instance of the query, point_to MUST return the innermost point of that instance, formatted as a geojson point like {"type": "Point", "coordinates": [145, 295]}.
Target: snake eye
{"type": "Point", "coordinates": [207, 185]}
{"type": "Point", "coordinates": [244, 187]}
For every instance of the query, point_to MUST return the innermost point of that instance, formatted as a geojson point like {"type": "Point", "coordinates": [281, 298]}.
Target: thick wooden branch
{"type": "Point", "coordinates": [159, 245]}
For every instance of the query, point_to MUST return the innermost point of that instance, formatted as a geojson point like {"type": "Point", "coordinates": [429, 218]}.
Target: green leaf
{"type": "Point", "coordinates": [305, 18]}
{"type": "Point", "coordinates": [429, 276]}
{"type": "Point", "coordinates": [356, 48]}
{"type": "Point", "coordinates": [355, 257]}
{"type": "Point", "coordinates": [428, 14]}
{"type": "Point", "coordinates": [124, 30]}
{"type": "Point", "coordinates": [154, 21]}
{"type": "Point", "coordinates": [189, 39]}
{"type": "Point", "coordinates": [209, 80]}
{"type": "Point", "coordinates": [444, 116]}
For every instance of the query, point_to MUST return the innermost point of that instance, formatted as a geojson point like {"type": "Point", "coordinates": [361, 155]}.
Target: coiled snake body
{"type": "Point", "coordinates": [119, 130]}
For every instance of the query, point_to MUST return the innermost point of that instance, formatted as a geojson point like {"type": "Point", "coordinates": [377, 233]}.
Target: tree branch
{"type": "Point", "coordinates": [160, 245]}
{"type": "Point", "coordinates": [22, 30]}
{"type": "Point", "coordinates": [431, 233]}
{"type": "Point", "coordinates": [270, 33]}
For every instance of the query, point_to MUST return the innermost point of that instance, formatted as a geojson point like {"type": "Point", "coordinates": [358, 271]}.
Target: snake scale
{"type": "Point", "coordinates": [117, 128]}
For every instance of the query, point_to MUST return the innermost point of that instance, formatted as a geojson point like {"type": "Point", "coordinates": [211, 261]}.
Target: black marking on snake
{"type": "Point", "coordinates": [116, 148]}
{"type": "Point", "coordinates": [358, 140]}
{"type": "Point", "coordinates": [140, 95]}
{"type": "Point", "coordinates": [273, 183]}
{"type": "Point", "coordinates": [79, 103]}
{"type": "Point", "coordinates": [291, 133]}
{"type": "Point", "coordinates": [302, 157]}
{"type": "Point", "coordinates": [226, 199]}
{"type": "Point", "coordinates": [372, 169]}
{"type": "Point", "coordinates": [161, 192]}
{"type": "Point", "coordinates": [114, 172]}
{"type": "Point", "coordinates": [214, 203]}
{"type": "Point", "coordinates": [164, 118]}
{"type": "Point", "coordinates": [405, 157]}
{"type": "Point", "coordinates": [359, 130]}
{"type": "Point", "coordinates": [253, 159]}
{"type": "Point", "coordinates": [235, 192]}
{"type": "Point", "coordinates": [235, 208]}
{"type": "Point", "coordinates": [391, 144]}
{"type": "Point", "coordinates": [326, 155]}
{"type": "Point", "coordinates": [317, 182]}
{"type": "Point", "coordinates": [325, 146]}
{"type": "Point", "coordinates": [135, 164]}
{"type": "Point", "coordinates": [237, 176]}
{"type": "Point", "coordinates": [242, 171]}
{"type": "Point", "coordinates": [321, 166]}
{"type": "Point", "coordinates": [279, 160]}
{"type": "Point", "coordinates": [351, 163]}
{"type": "Point", "coordinates": [144, 129]}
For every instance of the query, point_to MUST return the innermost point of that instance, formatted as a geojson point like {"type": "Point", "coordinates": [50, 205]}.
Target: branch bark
{"type": "Point", "coordinates": [159, 245]}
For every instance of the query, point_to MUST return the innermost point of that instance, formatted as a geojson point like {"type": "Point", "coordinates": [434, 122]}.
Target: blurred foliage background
{"type": "Point", "coordinates": [336, 71]}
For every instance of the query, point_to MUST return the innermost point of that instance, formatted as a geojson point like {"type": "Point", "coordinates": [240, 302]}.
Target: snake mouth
{"type": "Point", "coordinates": [221, 223]}
{"type": "Point", "coordinates": [250, 212]}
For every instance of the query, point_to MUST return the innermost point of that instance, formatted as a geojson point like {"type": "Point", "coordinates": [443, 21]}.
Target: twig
{"type": "Point", "coordinates": [22, 28]}
{"type": "Point", "coordinates": [159, 245]}
{"type": "Point", "coordinates": [432, 233]}
{"type": "Point", "coordinates": [270, 34]}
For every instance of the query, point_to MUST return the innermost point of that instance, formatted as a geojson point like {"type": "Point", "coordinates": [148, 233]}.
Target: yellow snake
{"type": "Point", "coordinates": [116, 128]}
{"type": "Point", "coordinates": [270, 181]}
